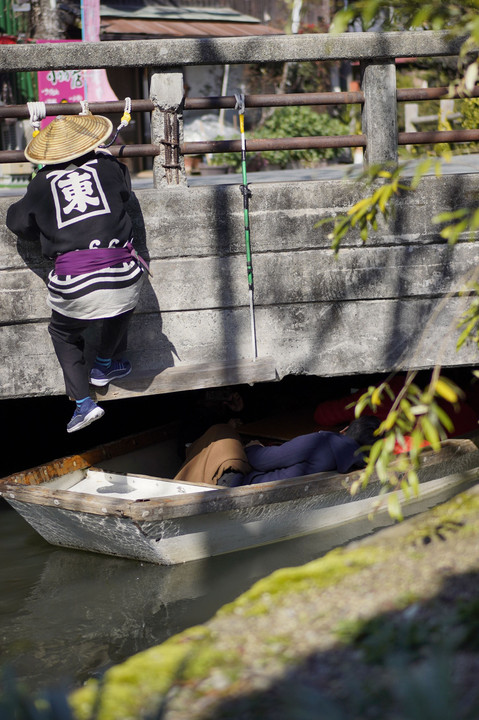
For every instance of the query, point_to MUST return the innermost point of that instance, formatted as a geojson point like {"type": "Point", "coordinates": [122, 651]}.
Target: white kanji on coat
{"type": "Point", "coordinates": [78, 191]}
{"type": "Point", "coordinates": [77, 194]}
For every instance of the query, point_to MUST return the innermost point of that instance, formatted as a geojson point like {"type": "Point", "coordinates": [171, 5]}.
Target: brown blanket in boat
{"type": "Point", "coordinates": [219, 449]}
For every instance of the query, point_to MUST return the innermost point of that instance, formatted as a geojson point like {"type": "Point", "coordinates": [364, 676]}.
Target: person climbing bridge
{"type": "Point", "coordinates": [75, 205]}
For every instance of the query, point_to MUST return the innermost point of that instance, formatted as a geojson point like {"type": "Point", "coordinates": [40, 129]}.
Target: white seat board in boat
{"type": "Point", "coordinates": [129, 487]}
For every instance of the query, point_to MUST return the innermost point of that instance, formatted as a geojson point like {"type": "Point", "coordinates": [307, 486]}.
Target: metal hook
{"type": "Point", "coordinates": [240, 104]}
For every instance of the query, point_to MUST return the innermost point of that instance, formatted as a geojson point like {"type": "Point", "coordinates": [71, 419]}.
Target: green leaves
{"type": "Point", "coordinates": [469, 321]}
{"type": "Point", "coordinates": [300, 122]}
{"type": "Point", "coordinates": [458, 18]}
{"type": "Point", "coordinates": [389, 182]}
{"type": "Point", "coordinates": [464, 221]}
{"type": "Point", "coordinates": [416, 419]}
{"type": "Point", "coordinates": [364, 214]}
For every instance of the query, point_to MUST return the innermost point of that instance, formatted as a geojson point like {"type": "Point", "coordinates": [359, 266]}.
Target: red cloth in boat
{"type": "Point", "coordinates": [332, 413]}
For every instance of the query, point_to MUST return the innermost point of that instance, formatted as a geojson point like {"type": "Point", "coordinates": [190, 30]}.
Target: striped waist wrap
{"type": "Point", "coordinates": [80, 262]}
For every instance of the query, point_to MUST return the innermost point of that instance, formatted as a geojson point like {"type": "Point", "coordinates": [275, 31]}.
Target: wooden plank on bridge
{"type": "Point", "coordinates": [191, 377]}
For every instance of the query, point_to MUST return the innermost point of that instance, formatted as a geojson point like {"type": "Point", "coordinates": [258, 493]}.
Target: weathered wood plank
{"type": "Point", "coordinates": [193, 377]}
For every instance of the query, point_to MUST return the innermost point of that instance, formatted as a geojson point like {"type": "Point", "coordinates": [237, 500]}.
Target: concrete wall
{"type": "Point", "coordinates": [392, 304]}
{"type": "Point", "coordinates": [373, 308]}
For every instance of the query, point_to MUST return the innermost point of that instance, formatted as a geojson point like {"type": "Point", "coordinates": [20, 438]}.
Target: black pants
{"type": "Point", "coordinates": [67, 337]}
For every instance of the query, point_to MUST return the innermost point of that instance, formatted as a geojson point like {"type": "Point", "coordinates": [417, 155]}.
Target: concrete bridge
{"type": "Point", "coordinates": [392, 304]}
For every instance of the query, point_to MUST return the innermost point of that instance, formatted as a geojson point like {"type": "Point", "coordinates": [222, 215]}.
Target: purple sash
{"type": "Point", "coordinates": [79, 262]}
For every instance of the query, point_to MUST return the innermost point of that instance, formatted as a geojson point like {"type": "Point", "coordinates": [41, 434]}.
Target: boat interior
{"type": "Point", "coordinates": [125, 486]}
{"type": "Point", "coordinates": [144, 465]}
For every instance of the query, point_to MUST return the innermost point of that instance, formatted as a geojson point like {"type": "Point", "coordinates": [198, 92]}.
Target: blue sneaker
{"type": "Point", "coordinates": [88, 413]}
{"type": "Point", "coordinates": [100, 376]}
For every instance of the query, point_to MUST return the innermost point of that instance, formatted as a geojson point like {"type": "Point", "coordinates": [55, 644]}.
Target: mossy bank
{"type": "Point", "coordinates": [386, 627]}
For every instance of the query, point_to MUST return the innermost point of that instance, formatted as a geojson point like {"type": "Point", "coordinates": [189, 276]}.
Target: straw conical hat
{"type": "Point", "coordinates": [68, 137]}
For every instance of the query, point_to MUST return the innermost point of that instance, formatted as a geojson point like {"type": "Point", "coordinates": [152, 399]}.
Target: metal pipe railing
{"type": "Point", "coordinates": [256, 101]}
{"type": "Point", "coordinates": [251, 101]}
{"type": "Point", "coordinates": [433, 137]}
{"type": "Point", "coordinates": [198, 103]}
{"type": "Point", "coordinates": [433, 93]}
{"type": "Point", "coordinates": [20, 112]}
{"type": "Point", "coordinates": [121, 151]}
{"type": "Point", "coordinates": [264, 144]}
{"type": "Point", "coordinates": [273, 100]}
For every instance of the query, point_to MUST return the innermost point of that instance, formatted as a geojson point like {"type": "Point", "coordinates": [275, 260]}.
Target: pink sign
{"type": "Point", "coordinates": [56, 86]}
{"type": "Point", "coordinates": [91, 20]}
{"type": "Point", "coordinates": [97, 86]}
{"type": "Point", "coordinates": [72, 86]}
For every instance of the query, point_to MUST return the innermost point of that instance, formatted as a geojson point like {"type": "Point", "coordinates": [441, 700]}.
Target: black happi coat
{"type": "Point", "coordinates": [72, 205]}
{"type": "Point", "coordinates": [81, 205]}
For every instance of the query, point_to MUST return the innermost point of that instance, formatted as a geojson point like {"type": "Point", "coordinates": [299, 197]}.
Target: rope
{"type": "Point", "coordinates": [85, 108]}
{"type": "Point", "coordinates": [37, 112]}
{"type": "Point", "coordinates": [125, 119]}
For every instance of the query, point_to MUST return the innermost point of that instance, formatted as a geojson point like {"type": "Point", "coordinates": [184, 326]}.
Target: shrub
{"type": "Point", "coordinates": [288, 122]}
{"type": "Point", "coordinates": [300, 122]}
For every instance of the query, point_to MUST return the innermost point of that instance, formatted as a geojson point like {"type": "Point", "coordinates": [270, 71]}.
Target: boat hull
{"type": "Point", "coordinates": [193, 537]}
{"type": "Point", "coordinates": [87, 508]}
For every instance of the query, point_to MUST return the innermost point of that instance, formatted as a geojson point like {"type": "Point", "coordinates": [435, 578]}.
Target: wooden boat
{"type": "Point", "coordinates": [119, 499]}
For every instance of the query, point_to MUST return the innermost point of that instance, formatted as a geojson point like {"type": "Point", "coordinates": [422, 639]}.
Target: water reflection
{"type": "Point", "coordinates": [67, 615]}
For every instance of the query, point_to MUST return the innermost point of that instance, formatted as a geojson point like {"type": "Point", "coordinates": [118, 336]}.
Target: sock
{"type": "Point", "coordinates": [104, 363]}
{"type": "Point", "coordinates": [80, 402]}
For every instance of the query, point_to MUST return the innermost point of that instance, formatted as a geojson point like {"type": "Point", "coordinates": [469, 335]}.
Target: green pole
{"type": "Point", "coordinates": [246, 192]}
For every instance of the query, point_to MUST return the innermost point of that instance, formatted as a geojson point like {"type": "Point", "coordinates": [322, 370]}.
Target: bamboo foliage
{"type": "Point", "coordinates": [386, 183]}
{"type": "Point", "coordinates": [416, 418]}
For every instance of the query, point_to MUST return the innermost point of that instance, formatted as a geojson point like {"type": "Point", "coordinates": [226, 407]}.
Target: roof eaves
{"type": "Point", "coordinates": [128, 28]}
{"type": "Point", "coordinates": [159, 12]}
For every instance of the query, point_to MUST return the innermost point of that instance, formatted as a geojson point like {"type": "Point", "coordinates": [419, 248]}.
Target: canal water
{"type": "Point", "coordinates": [67, 615]}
